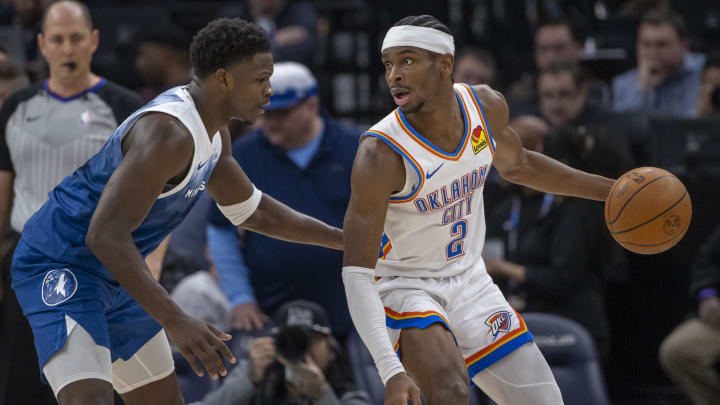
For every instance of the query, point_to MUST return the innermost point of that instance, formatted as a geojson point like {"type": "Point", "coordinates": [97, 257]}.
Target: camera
{"type": "Point", "coordinates": [293, 343]}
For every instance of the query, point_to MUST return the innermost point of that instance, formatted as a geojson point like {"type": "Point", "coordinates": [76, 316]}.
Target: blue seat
{"type": "Point", "coordinates": [570, 351]}
{"type": "Point", "coordinates": [365, 374]}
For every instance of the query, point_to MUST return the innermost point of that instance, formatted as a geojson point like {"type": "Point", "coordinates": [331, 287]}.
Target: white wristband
{"type": "Point", "coordinates": [368, 315]}
{"type": "Point", "coordinates": [238, 213]}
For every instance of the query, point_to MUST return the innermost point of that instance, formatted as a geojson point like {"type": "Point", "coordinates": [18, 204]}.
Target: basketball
{"type": "Point", "coordinates": [648, 210]}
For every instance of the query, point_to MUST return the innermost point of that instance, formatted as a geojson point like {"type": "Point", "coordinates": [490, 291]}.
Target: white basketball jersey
{"type": "Point", "coordinates": [435, 226]}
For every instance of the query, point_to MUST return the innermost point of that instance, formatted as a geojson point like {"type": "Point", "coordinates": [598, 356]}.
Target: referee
{"type": "Point", "coordinates": [46, 132]}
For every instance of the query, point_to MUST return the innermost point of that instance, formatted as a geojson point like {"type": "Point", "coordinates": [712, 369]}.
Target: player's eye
{"type": "Point", "coordinates": [407, 61]}
{"type": "Point", "coordinates": [388, 65]}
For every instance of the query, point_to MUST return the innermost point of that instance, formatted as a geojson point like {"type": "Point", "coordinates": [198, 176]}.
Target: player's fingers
{"type": "Point", "coordinates": [212, 362]}
{"type": "Point", "coordinates": [415, 396]}
{"type": "Point", "coordinates": [220, 335]}
{"type": "Point", "coordinates": [190, 357]}
{"type": "Point", "coordinates": [224, 350]}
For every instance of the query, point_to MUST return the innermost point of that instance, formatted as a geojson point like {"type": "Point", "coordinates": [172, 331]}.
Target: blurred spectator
{"type": "Point", "coordinates": [709, 99]}
{"type": "Point", "coordinates": [3, 54]}
{"type": "Point", "coordinates": [475, 66]}
{"type": "Point", "coordinates": [47, 131]}
{"type": "Point", "coordinates": [563, 91]}
{"type": "Point", "coordinates": [303, 159]}
{"type": "Point", "coordinates": [12, 79]}
{"type": "Point", "coordinates": [163, 59]}
{"type": "Point", "coordinates": [557, 41]}
{"type": "Point", "coordinates": [199, 296]}
{"type": "Point", "coordinates": [26, 15]}
{"type": "Point", "coordinates": [667, 77]}
{"type": "Point", "coordinates": [292, 26]}
{"type": "Point", "coordinates": [300, 364]}
{"type": "Point", "coordinates": [690, 355]}
{"type": "Point", "coordinates": [544, 259]}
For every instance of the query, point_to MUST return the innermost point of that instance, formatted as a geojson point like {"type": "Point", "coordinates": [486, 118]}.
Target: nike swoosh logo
{"type": "Point", "coordinates": [432, 173]}
{"type": "Point", "coordinates": [200, 166]}
{"type": "Point", "coordinates": [31, 119]}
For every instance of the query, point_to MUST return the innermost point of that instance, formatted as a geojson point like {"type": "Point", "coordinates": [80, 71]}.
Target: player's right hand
{"type": "Point", "coordinates": [198, 340]}
{"type": "Point", "coordinates": [399, 389]}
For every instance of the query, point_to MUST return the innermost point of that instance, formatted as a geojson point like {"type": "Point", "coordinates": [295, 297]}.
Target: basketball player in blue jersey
{"type": "Point", "coordinates": [425, 305]}
{"type": "Point", "coordinates": [99, 318]}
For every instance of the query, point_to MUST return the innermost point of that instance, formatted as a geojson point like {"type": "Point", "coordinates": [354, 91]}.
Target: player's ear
{"type": "Point", "coordinates": [224, 79]}
{"type": "Point", "coordinates": [446, 62]}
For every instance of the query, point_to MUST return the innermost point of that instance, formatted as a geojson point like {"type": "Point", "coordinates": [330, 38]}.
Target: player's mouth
{"type": "Point", "coordinates": [400, 95]}
{"type": "Point", "coordinates": [70, 65]}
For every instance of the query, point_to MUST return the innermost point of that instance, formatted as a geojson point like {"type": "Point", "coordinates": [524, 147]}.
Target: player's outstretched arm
{"type": "Point", "coordinates": [230, 187]}
{"type": "Point", "coordinates": [157, 149]}
{"type": "Point", "coordinates": [532, 169]}
{"type": "Point", "coordinates": [376, 174]}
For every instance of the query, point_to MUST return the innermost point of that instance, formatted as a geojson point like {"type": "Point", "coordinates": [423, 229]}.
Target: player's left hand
{"type": "Point", "coordinates": [198, 340]}
{"type": "Point", "coordinates": [709, 310]}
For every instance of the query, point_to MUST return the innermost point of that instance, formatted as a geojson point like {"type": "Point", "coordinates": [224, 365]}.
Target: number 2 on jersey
{"type": "Point", "coordinates": [456, 247]}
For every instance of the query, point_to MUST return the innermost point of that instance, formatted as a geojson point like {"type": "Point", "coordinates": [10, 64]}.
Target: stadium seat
{"type": "Point", "coordinates": [571, 354]}
{"type": "Point", "coordinates": [365, 374]}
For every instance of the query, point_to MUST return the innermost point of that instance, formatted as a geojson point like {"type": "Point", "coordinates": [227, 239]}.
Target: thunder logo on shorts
{"type": "Point", "coordinates": [499, 322]}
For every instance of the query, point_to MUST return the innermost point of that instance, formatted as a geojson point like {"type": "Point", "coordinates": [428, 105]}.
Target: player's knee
{"type": "Point", "coordinates": [87, 397]}
{"type": "Point", "coordinates": [450, 391]}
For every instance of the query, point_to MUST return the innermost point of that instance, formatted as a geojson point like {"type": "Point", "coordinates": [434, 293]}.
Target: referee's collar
{"type": "Point", "coordinates": [93, 88]}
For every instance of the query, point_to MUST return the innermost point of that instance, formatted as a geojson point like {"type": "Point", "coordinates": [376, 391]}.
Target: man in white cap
{"type": "Point", "coordinates": [417, 193]}
{"type": "Point", "coordinates": [304, 158]}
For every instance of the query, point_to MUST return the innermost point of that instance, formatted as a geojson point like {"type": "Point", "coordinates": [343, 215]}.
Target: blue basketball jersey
{"type": "Point", "coordinates": [59, 228]}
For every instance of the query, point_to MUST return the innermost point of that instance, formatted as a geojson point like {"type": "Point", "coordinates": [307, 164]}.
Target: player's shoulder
{"type": "Point", "coordinates": [493, 104]}
{"type": "Point", "coordinates": [162, 131]}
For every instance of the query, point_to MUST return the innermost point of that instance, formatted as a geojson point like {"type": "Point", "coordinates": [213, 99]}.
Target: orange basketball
{"type": "Point", "coordinates": [648, 210]}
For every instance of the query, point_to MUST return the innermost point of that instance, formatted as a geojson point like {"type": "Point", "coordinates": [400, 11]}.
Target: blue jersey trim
{"type": "Point", "coordinates": [482, 112]}
{"type": "Point", "coordinates": [402, 153]}
{"type": "Point", "coordinates": [462, 144]}
{"type": "Point", "coordinates": [499, 353]}
{"type": "Point", "coordinates": [76, 96]}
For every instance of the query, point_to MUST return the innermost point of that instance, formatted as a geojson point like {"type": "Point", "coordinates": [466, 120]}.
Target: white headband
{"type": "Point", "coordinates": [420, 37]}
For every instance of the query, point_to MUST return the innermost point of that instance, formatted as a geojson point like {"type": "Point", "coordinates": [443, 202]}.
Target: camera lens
{"type": "Point", "coordinates": [293, 343]}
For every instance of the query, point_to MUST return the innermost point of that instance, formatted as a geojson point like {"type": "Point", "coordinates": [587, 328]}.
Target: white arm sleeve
{"type": "Point", "coordinates": [368, 315]}
{"type": "Point", "coordinates": [238, 213]}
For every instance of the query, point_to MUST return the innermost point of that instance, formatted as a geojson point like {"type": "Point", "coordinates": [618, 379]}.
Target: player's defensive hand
{"type": "Point", "coordinates": [399, 389]}
{"type": "Point", "coordinates": [709, 311]}
{"type": "Point", "coordinates": [198, 340]}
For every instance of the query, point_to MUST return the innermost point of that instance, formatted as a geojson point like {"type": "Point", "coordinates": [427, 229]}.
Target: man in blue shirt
{"type": "Point", "coordinates": [303, 159]}
{"type": "Point", "coordinates": [667, 78]}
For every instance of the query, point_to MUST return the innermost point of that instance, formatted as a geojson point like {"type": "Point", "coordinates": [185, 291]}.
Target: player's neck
{"type": "Point", "coordinates": [440, 120]}
{"type": "Point", "coordinates": [69, 88]}
{"type": "Point", "coordinates": [210, 113]}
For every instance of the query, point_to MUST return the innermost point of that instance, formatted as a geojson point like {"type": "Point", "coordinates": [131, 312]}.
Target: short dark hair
{"type": "Point", "coordinates": [226, 41]}
{"type": "Point", "coordinates": [573, 70]}
{"type": "Point", "coordinates": [661, 17]}
{"type": "Point", "coordinates": [83, 9]}
{"type": "Point", "coordinates": [424, 20]}
{"type": "Point", "coordinates": [577, 33]}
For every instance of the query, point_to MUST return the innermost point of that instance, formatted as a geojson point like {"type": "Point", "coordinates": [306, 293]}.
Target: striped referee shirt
{"type": "Point", "coordinates": [45, 137]}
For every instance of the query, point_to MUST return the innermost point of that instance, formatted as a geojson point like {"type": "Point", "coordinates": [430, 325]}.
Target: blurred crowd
{"type": "Point", "coordinates": [602, 85]}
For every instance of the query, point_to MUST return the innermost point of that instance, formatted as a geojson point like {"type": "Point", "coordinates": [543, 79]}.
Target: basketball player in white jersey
{"type": "Point", "coordinates": [434, 317]}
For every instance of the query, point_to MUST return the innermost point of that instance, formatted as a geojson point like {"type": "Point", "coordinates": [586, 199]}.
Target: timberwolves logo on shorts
{"type": "Point", "coordinates": [58, 286]}
{"type": "Point", "coordinates": [499, 322]}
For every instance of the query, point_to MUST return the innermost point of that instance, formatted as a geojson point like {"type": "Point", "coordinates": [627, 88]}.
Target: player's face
{"type": "Point", "coordinates": [68, 43]}
{"type": "Point", "coordinates": [412, 75]}
{"type": "Point", "coordinates": [250, 90]}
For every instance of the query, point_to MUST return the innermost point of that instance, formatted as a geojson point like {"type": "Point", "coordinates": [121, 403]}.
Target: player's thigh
{"type": "Point", "coordinates": [523, 377]}
{"type": "Point", "coordinates": [80, 372]}
{"type": "Point", "coordinates": [433, 360]}
{"type": "Point", "coordinates": [149, 375]}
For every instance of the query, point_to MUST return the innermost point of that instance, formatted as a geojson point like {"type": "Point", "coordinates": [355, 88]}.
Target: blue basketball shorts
{"type": "Point", "coordinates": [48, 290]}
